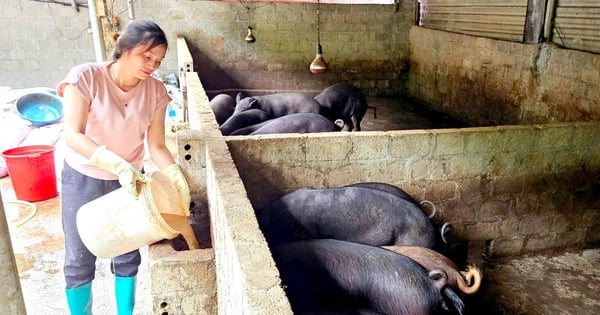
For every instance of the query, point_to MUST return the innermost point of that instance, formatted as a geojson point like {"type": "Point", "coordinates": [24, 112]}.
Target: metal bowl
{"type": "Point", "coordinates": [40, 108]}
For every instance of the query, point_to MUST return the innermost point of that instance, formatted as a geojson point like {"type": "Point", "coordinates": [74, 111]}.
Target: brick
{"type": "Point", "coordinates": [516, 139]}
{"type": "Point", "coordinates": [560, 224]}
{"type": "Point", "coordinates": [442, 191]}
{"type": "Point", "coordinates": [448, 143]}
{"type": "Point", "coordinates": [532, 225]}
{"type": "Point", "coordinates": [481, 140]}
{"type": "Point", "coordinates": [549, 137]}
{"type": "Point", "coordinates": [495, 209]}
{"type": "Point", "coordinates": [541, 242]}
{"type": "Point", "coordinates": [182, 278]}
{"type": "Point", "coordinates": [418, 169]}
{"type": "Point", "coordinates": [571, 237]}
{"type": "Point", "coordinates": [507, 185]}
{"type": "Point", "coordinates": [465, 166]}
{"type": "Point", "coordinates": [507, 246]}
{"type": "Point", "coordinates": [527, 204]}
{"type": "Point", "coordinates": [482, 231]}
{"type": "Point", "coordinates": [10, 65]}
{"type": "Point", "coordinates": [409, 145]}
{"type": "Point", "coordinates": [509, 226]}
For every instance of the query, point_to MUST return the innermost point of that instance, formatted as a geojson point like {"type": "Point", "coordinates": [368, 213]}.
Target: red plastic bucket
{"type": "Point", "coordinates": [31, 171]}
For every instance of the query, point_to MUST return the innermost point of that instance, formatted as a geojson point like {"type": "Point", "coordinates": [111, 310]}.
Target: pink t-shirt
{"type": "Point", "coordinates": [116, 118]}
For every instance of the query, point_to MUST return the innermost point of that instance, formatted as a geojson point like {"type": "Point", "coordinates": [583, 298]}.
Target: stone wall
{"type": "Point", "coordinates": [494, 82]}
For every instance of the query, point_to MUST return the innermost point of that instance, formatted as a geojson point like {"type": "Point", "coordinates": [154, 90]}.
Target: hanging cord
{"type": "Point", "coordinates": [318, 22]}
{"type": "Point", "coordinates": [244, 5]}
{"type": "Point", "coordinates": [247, 7]}
{"type": "Point", "coordinates": [248, 12]}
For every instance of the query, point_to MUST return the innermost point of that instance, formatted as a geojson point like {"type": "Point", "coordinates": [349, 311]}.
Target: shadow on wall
{"type": "Point", "coordinates": [212, 76]}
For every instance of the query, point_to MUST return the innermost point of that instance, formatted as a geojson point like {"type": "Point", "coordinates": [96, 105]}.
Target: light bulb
{"type": "Point", "coordinates": [318, 65]}
{"type": "Point", "coordinates": [250, 38]}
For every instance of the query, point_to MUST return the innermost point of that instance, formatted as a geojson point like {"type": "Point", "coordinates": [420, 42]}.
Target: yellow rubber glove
{"type": "Point", "coordinates": [110, 161]}
{"type": "Point", "coordinates": [175, 175]}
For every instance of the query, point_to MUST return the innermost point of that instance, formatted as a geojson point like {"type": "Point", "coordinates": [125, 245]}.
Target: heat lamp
{"type": "Point", "coordinates": [318, 65]}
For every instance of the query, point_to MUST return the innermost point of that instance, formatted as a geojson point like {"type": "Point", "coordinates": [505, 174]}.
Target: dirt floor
{"type": "Point", "coordinates": [559, 283]}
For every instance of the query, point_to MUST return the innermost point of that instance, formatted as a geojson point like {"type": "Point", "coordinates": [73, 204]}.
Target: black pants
{"type": "Point", "coordinates": [80, 264]}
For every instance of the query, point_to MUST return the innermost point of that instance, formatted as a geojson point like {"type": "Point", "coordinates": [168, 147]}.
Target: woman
{"type": "Point", "coordinates": [110, 108]}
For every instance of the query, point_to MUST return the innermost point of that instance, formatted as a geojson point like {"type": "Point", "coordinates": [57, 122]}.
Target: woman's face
{"type": "Point", "coordinates": [141, 62]}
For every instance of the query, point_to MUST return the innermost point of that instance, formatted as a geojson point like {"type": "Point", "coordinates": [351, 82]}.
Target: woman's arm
{"type": "Point", "coordinates": [165, 162]}
{"type": "Point", "coordinates": [75, 115]}
{"type": "Point", "coordinates": [159, 152]}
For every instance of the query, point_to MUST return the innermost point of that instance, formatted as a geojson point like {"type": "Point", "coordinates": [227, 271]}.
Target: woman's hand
{"type": "Point", "coordinates": [175, 175]}
{"type": "Point", "coordinates": [129, 176]}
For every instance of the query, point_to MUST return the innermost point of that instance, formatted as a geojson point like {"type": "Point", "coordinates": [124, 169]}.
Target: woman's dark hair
{"type": "Point", "coordinates": [139, 32]}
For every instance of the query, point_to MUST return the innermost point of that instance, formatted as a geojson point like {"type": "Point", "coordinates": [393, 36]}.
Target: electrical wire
{"type": "Point", "coordinates": [56, 24]}
{"type": "Point", "coordinates": [66, 4]}
{"type": "Point", "coordinates": [318, 22]}
{"type": "Point", "coordinates": [125, 10]}
{"type": "Point", "coordinates": [558, 32]}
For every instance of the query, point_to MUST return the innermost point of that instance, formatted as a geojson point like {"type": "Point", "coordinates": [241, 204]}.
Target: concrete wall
{"type": "Point", "coordinates": [237, 274]}
{"type": "Point", "coordinates": [494, 82]}
{"type": "Point", "coordinates": [365, 44]}
{"type": "Point", "coordinates": [513, 189]}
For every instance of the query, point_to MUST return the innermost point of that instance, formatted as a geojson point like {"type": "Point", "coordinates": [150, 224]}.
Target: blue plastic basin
{"type": "Point", "coordinates": [40, 108]}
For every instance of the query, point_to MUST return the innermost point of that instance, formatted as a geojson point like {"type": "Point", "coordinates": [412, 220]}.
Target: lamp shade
{"type": "Point", "coordinates": [318, 65]}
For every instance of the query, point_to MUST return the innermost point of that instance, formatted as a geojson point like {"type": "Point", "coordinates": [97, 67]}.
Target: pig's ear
{"type": "Point", "coordinates": [340, 123]}
{"type": "Point", "coordinates": [238, 97]}
{"type": "Point", "coordinates": [253, 103]}
{"type": "Point", "coordinates": [439, 277]}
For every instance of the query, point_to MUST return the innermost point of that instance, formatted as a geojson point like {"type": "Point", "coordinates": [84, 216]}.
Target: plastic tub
{"type": "Point", "coordinates": [40, 108]}
{"type": "Point", "coordinates": [32, 173]}
{"type": "Point", "coordinates": [118, 223]}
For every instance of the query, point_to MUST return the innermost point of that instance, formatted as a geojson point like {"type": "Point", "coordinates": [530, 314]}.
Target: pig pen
{"type": "Point", "coordinates": [522, 200]}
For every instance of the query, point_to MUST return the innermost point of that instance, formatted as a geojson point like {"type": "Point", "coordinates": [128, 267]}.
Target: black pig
{"type": "Point", "coordinates": [293, 123]}
{"type": "Point", "coordinates": [343, 101]}
{"type": "Point", "coordinates": [357, 214]}
{"type": "Point", "coordinates": [338, 276]}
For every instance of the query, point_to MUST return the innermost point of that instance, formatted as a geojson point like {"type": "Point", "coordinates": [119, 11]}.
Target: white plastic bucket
{"type": "Point", "coordinates": [118, 223]}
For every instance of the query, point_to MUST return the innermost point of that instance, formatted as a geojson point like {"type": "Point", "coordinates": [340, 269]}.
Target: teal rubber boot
{"type": "Point", "coordinates": [80, 299]}
{"type": "Point", "coordinates": [125, 295]}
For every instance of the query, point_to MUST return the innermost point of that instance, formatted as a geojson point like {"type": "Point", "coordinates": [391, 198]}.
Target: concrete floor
{"type": "Point", "coordinates": [38, 246]}
{"type": "Point", "coordinates": [554, 283]}
{"type": "Point", "coordinates": [546, 284]}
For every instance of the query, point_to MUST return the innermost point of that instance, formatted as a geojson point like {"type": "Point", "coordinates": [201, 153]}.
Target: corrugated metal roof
{"type": "Point", "coordinates": [576, 24]}
{"type": "Point", "coordinates": [502, 20]}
